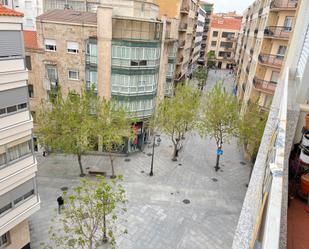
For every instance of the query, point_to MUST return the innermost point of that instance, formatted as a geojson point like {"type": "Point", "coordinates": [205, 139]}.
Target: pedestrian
{"type": "Point", "coordinates": [60, 203]}
{"type": "Point", "coordinates": [44, 153]}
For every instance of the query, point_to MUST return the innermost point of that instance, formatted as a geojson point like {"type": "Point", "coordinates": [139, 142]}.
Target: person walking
{"type": "Point", "coordinates": [60, 203]}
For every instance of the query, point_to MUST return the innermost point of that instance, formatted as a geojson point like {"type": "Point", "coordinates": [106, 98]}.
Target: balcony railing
{"type": "Point", "coordinates": [231, 38]}
{"type": "Point", "coordinates": [278, 31]}
{"type": "Point", "coordinates": [182, 44]}
{"type": "Point", "coordinates": [264, 85]}
{"type": "Point", "coordinates": [271, 60]}
{"type": "Point", "coordinates": [283, 4]}
{"type": "Point", "coordinates": [91, 59]}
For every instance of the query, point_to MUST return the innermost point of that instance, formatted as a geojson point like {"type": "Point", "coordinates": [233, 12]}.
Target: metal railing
{"type": "Point", "coordinates": [264, 85]}
{"type": "Point", "coordinates": [283, 4]}
{"type": "Point", "coordinates": [270, 59]}
{"type": "Point", "coordinates": [278, 31]}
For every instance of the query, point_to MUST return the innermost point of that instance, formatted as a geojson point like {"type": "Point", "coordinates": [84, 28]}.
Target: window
{"type": "Point", "coordinates": [288, 23]}
{"type": "Point", "coordinates": [16, 3]}
{"type": "Point", "coordinates": [215, 34]}
{"type": "Point", "coordinates": [73, 74]}
{"type": "Point", "coordinates": [281, 51]}
{"type": "Point", "coordinates": [29, 22]}
{"type": "Point", "coordinates": [213, 43]}
{"type": "Point", "coordinates": [226, 44]}
{"type": "Point", "coordinates": [5, 208]}
{"type": "Point", "coordinates": [30, 91]}
{"type": "Point", "coordinates": [11, 109]}
{"type": "Point", "coordinates": [135, 63]}
{"type": "Point", "coordinates": [22, 106]}
{"type": "Point", "coordinates": [11, 43]}
{"type": "Point", "coordinates": [5, 2]}
{"type": "Point", "coordinates": [51, 73]}
{"type": "Point", "coordinates": [50, 45]}
{"type": "Point", "coordinates": [2, 159]}
{"type": "Point", "coordinates": [274, 77]}
{"type": "Point", "coordinates": [228, 34]}
{"type": "Point", "coordinates": [24, 197]}
{"type": "Point", "coordinates": [19, 151]}
{"type": "Point", "coordinates": [72, 47]}
{"type": "Point", "coordinates": [28, 62]}
{"type": "Point", "coordinates": [2, 111]}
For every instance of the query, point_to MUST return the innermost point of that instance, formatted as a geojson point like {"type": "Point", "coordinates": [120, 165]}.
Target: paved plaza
{"type": "Point", "coordinates": [157, 218]}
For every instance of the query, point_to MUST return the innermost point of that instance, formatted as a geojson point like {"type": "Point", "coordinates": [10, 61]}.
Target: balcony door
{"type": "Point", "coordinates": [274, 77]}
{"type": "Point", "coordinates": [281, 52]}
{"type": "Point", "coordinates": [288, 23]}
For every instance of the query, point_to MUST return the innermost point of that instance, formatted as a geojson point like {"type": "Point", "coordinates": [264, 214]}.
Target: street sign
{"type": "Point", "coordinates": [219, 152]}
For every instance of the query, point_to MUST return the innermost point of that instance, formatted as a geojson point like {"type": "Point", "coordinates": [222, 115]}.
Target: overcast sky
{"type": "Point", "coordinates": [230, 5]}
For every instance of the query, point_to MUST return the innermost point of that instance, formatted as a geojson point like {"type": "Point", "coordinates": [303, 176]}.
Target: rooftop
{"type": "Point", "coordinates": [69, 16]}
{"type": "Point", "coordinates": [30, 39]}
{"type": "Point", "coordinates": [226, 23]}
{"type": "Point", "coordinates": [8, 12]}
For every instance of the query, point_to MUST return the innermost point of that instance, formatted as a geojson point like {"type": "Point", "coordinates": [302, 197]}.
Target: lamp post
{"type": "Point", "coordinates": [152, 155]}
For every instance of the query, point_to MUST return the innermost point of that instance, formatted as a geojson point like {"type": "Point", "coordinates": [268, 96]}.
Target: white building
{"type": "Point", "coordinates": [18, 192]}
{"type": "Point", "coordinates": [30, 8]}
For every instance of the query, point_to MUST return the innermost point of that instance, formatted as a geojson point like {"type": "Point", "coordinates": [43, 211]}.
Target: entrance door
{"type": "Point", "coordinates": [219, 64]}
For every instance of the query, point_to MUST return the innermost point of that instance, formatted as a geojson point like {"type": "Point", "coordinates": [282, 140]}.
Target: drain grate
{"type": "Point", "coordinates": [127, 160]}
{"type": "Point", "coordinates": [214, 179]}
{"type": "Point", "coordinates": [186, 201]}
{"type": "Point", "coordinates": [179, 164]}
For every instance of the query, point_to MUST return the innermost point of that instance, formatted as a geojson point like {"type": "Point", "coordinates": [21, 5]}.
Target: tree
{"type": "Point", "coordinates": [67, 123]}
{"type": "Point", "coordinates": [113, 127]}
{"type": "Point", "coordinates": [251, 129]}
{"type": "Point", "coordinates": [201, 76]}
{"type": "Point", "coordinates": [218, 117]}
{"type": "Point", "coordinates": [90, 215]}
{"type": "Point", "coordinates": [176, 116]}
{"type": "Point", "coordinates": [210, 59]}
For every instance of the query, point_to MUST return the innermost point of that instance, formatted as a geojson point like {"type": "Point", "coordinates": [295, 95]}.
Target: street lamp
{"type": "Point", "coordinates": [153, 146]}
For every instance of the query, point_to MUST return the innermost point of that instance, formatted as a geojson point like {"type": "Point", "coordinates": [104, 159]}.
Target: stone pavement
{"type": "Point", "coordinates": [157, 218]}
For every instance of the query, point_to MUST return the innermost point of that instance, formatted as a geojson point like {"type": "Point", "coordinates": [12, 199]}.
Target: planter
{"type": "Point", "coordinates": [307, 122]}
{"type": "Point", "coordinates": [305, 140]}
{"type": "Point", "coordinates": [304, 158]}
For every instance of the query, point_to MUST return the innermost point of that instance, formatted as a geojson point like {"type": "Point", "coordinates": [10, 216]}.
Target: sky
{"type": "Point", "coordinates": [230, 5]}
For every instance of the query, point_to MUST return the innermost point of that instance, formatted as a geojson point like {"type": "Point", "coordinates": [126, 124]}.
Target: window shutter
{"type": "Point", "coordinates": [14, 96]}
{"type": "Point", "coordinates": [50, 42]}
{"type": "Point", "coordinates": [10, 43]}
{"type": "Point", "coordinates": [72, 45]}
{"type": "Point", "coordinates": [304, 56]}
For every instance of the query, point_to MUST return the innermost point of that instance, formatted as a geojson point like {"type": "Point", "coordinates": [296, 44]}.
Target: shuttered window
{"type": "Point", "coordinates": [10, 44]}
{"type": "Point", "coordinates": [50, 45]}
{"type": "Point", "coordinates": [72, 47]}
{"type": "Point", "coordinates": [304, 56]}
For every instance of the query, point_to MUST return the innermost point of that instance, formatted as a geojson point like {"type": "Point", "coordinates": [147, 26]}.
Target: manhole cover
{"type": "Point", "coordinates": [142, 171]}
{"type": "Point", "coordinates": [214, 179]}
{"type": "Point", "coordinates": [64, 188]}
{"type": "Point", "coordinates": [186, 201]}
{"type": "Point", "coordinates": [127, 160]}
{"type": "Point", "coordinates": [149, 154]}
{"type": "Point", "coordinates": [242, 163]}
{"type": "Point", "coordinates": [179, 164]}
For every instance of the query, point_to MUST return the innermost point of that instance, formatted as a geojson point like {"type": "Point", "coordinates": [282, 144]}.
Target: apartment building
{"type": "Point", "coordinates": [222, 41]}
{"type": "Point", "coordinates": [116, 50]}
{"type": "Point", "coordinates": [208, 8]}
{"type": "Point", "coordinates": [30, 8]}
{"type": "Point", "coordinates": [18, 192]}
{"type": "Point", "coordinates": [185, 11]}
{"type": "Point", "coordinates": [197, 40]}
{"type": "Point", "coordinates": [265, 32]}
{"type": "Point", "coordinates": [270, 217]}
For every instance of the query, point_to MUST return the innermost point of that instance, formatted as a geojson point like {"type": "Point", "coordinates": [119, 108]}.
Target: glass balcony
{"type": "Point", "coordinates": [264, 86]}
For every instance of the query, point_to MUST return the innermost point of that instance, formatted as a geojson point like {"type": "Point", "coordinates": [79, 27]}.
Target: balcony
{"type": "Point", "coordinates": [182, 44]}
{"type": "Point", "coordinates": [179, 60]}
{"type": "Point", "coordinates": [277, 5]}
{"type": "Point", "coordinates": [251, 51]}
{"type": "Point", "coordinates": [183, 27]}
{"type": "Point", "coordinates": [247, 70]}
{"type": "Point", "coordinates": [231, 38]}
{"type": "Point", "coordinates": [268, 87]}
{"type": "Point", "coordinates": [91, 59]}
{"type": "Point", "coordinates": [279, 32]}
{"type": "Point", "coordinates": [184, 9]}
{"type": "Point", "coordinates": [271, 60]}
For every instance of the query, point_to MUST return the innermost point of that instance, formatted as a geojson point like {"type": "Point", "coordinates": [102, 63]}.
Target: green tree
{"type": "Point", "coordinates": [251, 129]}
{"type": "Point", "coordinates": [90, 215]}
{"type": "Point", "coordinates": [113, 127]}
{"type": "Point", "coordinates": [210, 59]}
{"type": "Point", "coordinates": [218, 117]}
{"type": "Point", "coordinates": [176, 116]}
{"type": "Point", "coordinates": [201, 76]}
{"type": "Point", "coordinates": [67, 123]}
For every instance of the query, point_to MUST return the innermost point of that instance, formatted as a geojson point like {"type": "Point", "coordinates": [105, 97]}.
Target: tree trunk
{"type": "Point", "coordinates": [217, 167]}
{"type": "Point", "coordinates": [104, 227]}
{"type": "Point", "coordinates": [112, 164]}
{"type": "Point", "coordinates": [175, 153]}
{"type": "Point", "coordinates": [79, 158]}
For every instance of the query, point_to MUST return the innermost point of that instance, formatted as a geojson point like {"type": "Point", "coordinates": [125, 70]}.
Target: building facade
{"type": "Point", "coordinates": [186, 12]}
{"type": "Point", "coordinates": [208, 8]}
{"type": "Point", "coordinates": [269, 218]}
{"type": "Point", "coordinates": [222, 42]}
{"type": "Point", "coordinates": [30, 8]}
{"type": "Point", "coordinates": [18, 192]}
{"type": "Point", "coordinates": [265, 32]}
{"type": "Point", "coordinates": [121, 56]}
